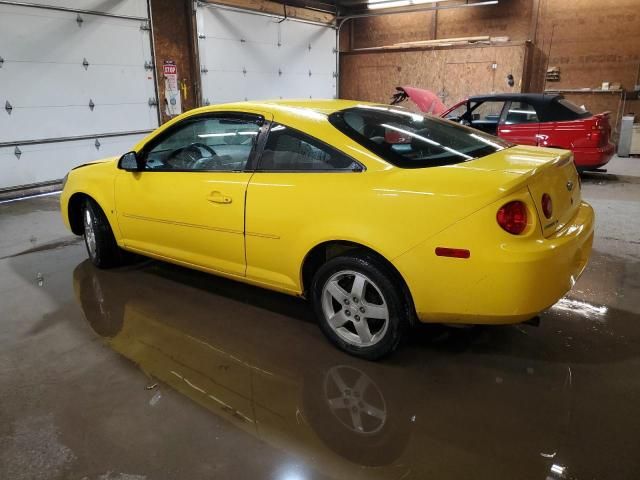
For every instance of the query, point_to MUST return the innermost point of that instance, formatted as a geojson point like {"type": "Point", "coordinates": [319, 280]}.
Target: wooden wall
{"type": "Point", "coordinates": [452, 72]}
{"type": "Point", "coordinates": [173, 38]}
{"type": "Point", "coordinates": [592, 41]}
{"type": "Point", "coordinates": [510, 17]}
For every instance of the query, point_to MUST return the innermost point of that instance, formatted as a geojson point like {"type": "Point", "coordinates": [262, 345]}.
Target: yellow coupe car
{"type": "Point", "coordinates": [381, 217]}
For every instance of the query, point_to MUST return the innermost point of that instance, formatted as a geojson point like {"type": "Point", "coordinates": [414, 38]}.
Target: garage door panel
{"type": "Point", "coordinates": [314, 35]}
{"type": "Point", "coordinates": [236, 57]}
{"type": "Point", "coordinates": [49, 89]}
{"type": "Point", "coordinates": [273, 60]}
{"type": "Point", "coordinates": [319, 86]}
{"type": "Point", "coordinates": [266, 85]}
{"type": "Point", "coordinates": [237, 26]}
{"type": "Point", "coordinates": [305, 61]}
{"type": "Point", "coordinates": [229, 87]}
{"type": "Point", "coordinates": [135, 8]}
{"type": "Point", "coordinates": [46, 162]}
{"type": "Point", "coordinates": [55, 122]}
{"type": "Point", "coordinates": [50, 85]}
{"type": "Point", "coordinates": [34, 35]}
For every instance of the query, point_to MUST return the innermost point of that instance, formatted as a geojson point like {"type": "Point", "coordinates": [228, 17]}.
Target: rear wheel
{"type": "Point", "coordinates": [98, 237]}
{"type": "Point", "coordinates": [360, 305]}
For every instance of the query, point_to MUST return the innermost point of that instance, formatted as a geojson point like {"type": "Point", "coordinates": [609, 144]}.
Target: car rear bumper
{"type": "Point", "coordinates": [591, 158]}
{"type": "Point", "coordinates": [503, 284]}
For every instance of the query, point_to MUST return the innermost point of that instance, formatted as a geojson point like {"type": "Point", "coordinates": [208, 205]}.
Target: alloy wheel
{"type": "Point", "coordinates": [355, 308]}
{"type": "Point", "coordinates": [89, 233]}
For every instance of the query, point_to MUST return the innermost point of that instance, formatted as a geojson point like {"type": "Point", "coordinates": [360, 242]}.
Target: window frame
{"type": "Point", "coordinates": [503, 121]}
{"type": "Point", "coordinates": [503, 110]}
{"type": "Point", "coordinates": [263, 143]}
{"type": "Point", "coordinates": [337, 120]}
{"type": "Point", "coordinates": [259, 120]}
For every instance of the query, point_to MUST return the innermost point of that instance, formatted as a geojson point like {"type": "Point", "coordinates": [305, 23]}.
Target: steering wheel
{"type": "Point", "coordinates": [187, 157]}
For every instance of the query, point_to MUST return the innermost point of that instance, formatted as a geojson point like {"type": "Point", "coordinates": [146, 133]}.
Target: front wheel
{"type": "Point", "coordinates": [360, 305]}
{"type": "Point", "coordinates": [98, 237]}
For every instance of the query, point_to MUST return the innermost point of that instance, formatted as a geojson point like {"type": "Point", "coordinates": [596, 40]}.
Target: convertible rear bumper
{"type": "Point", "coordinates": [592, 158]}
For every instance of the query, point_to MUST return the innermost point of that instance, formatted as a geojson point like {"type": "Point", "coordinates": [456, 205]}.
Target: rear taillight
{"type": "Point", "coordinates": [512, 217]}
{"type": "Point", "coordinates": [598, 134]}
{"type": "Point", "coordinates": [547, 205]}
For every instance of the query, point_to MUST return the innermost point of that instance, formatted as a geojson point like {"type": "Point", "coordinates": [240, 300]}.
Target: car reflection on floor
{"type": "Point", "coordinates": [256, 359]}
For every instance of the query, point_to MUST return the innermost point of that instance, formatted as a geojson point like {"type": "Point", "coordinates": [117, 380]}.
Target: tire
{"type": "Point", "coordinates": [98, 237]}
{"type": "Point", "coordinates": [342, 305]}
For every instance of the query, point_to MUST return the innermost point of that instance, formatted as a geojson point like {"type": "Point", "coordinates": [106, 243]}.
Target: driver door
{"type": "Point", "coordinates": [187, 202]}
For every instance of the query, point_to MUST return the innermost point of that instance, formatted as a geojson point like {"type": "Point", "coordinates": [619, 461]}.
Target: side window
{"type": "Point", "coordinates": [457, 112]}
{"type": "Point", "coordinates": [488, 112]}
{"type": "Point", "coordinates": [521, 112]}
{"type": "Point", "coordinates": [290, 150]}
{"type": "Point", "coordinates": [211, 143]}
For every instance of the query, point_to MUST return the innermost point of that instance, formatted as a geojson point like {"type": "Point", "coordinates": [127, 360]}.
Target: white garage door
{"type": "Point", "coordinates": [75, 85]}
{"type": "Point", "coordinates": [249, 56]}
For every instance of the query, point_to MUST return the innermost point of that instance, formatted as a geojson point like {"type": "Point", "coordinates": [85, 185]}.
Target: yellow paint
{"type": "Point", "coordinates": [403, 214]}
{"type": "Point", "coordinates": [184, 89]}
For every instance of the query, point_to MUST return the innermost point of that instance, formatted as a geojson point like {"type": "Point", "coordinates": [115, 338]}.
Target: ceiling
{"type": "Point", "coordinates": [354, 7]}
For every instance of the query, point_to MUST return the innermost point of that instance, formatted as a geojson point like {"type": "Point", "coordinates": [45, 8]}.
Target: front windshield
{"type": "Point", "coordinates": [410, 140]}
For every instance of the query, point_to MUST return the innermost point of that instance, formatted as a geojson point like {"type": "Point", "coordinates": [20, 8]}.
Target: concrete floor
{"type": "Point", "coordinates": [154, 371]}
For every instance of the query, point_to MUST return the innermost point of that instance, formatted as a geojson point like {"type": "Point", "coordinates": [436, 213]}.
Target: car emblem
{"type": "Point", "coordinates": [569, 185]}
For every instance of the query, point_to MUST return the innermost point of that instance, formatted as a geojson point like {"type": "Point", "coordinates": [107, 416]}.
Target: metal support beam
{"type": "Point", "coordinates": [72, 10]}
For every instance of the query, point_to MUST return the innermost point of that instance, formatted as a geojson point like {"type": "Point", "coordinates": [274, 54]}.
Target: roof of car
{"type": "Point", "coordinates": [323, 106]}
{"type": "Point", "coordinates": [522, 97]}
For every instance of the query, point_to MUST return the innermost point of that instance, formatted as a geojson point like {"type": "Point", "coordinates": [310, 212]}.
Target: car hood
{"type": "Point", "coordinates": [94, 162]}
{"type": "Point", "coordinates": [426, 100]}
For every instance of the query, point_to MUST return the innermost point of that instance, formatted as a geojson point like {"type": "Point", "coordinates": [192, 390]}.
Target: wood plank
{"type": "Point", "coordinates": [265, 6]}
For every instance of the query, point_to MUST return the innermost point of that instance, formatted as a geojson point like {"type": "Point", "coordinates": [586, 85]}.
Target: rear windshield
{"type": "Point", "coordinates": [565, 110]}
{"type": "Point", "coordinates": [410, 140]}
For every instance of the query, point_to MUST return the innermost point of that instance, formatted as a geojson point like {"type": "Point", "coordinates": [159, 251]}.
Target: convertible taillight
{"type": "Point", "coordinates": [512, 217]}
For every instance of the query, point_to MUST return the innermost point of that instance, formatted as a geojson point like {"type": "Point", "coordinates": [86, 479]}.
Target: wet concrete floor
{"type": "Point", "coordinates": [153, 371]}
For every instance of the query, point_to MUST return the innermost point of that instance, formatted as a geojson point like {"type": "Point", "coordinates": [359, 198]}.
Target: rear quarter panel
{"type": "Point", "coordinates": [570, 134]}
{"type": "Point", "coordinates": [389, 211]}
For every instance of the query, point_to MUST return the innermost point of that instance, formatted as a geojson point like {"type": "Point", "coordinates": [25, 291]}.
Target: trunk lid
{"type": "Point", "coordinates": [541, 170]}
{"type": "Point", "coordinates": [561, 182]}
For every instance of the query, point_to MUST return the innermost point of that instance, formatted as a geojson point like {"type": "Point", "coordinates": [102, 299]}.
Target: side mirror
{"type": "Point", "coordinates": [129, 162]}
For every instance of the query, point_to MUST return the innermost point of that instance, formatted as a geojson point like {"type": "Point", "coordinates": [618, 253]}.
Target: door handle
{"type": "Point", "coordinates": [219, 197]}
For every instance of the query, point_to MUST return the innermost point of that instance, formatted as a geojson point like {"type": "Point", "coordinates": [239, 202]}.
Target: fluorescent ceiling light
{"type": "Point", "coordinates": [378, 4]}
{"type": "Point", "coordinates": [375, 4]}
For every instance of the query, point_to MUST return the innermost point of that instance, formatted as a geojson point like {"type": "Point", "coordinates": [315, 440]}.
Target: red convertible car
{"type": "Point", "coordinates": [544, 120]}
